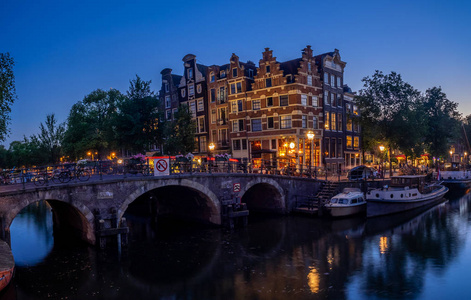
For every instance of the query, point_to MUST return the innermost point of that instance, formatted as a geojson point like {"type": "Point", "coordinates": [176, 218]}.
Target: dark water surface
{"type": "Point", "coordinates": [419, 255]}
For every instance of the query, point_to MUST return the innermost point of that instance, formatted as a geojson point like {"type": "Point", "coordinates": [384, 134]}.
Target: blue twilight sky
{"type": "Point", "coordinates": [66, 49]}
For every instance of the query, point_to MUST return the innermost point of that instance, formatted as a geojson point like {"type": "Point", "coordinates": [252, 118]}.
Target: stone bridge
{"type": "Point", "coordinates": [86, 208]}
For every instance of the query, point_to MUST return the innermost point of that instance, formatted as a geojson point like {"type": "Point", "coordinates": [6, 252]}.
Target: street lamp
{"type": "Point", "coordinates": [381, 148]}
{"type": "Point", "coordinates": [451, 156]}
{"type": "Point", "coordinates": [310, 136]}
{"type": "Point", "coordinates": [211, 148]}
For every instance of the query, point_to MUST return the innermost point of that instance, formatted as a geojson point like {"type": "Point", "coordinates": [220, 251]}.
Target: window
{"type": "Point", "coordinates": [223, 137]}
{"type": "Point", "coordinates": [315, 123]}
{"type": "Point", "coordinates": [269, 101]}
{"type": "Point", "coordinates": [327, 121]}
{"type": "Point", "coordinates": [233, 88]}
{"type": "Point", "coordinates": [213, 116]}
{"type": "Point", "coordinates": [256, 104]}
{"type": "Point", "coordinates": [168, 102]}
{"type": "Point", "coordinates": [222, 116]}
{"type": "Point", "coordinates": [168, 114]}
{"type": "Point", "coordinates": [356, 142]}
{"type": "Point", "coordinates": [326, 98]}
{"type": "Point", "coordinates": [213, 95]}
{"type": "Point", "coordinates": [309, 80]}
{"type": "Point", "coordinates": [203, 144]}
{"type": "Point", "coordinates": [239, 105]}
{"type": "Point", "coordinates": [236, 145]}
{"type": "Point", "coordinates": [198, 88]}
{"type": "Point", "coordinates": [234, 72]}
{"type": "Point", "coordinates": [200, 105]}
{"type": "Point", "coordinates": [326, 78]}
{"type": "Point", "coordinates": [284, 100]}
{"type": "Point", "coordinates": [213, 78]}
{"type": "Point", "coordinates": [222, 95]}
{"type": "Point", "coordinates": [333, 121]}
{"type": "Point", "coordinates": [339, 148]}
{"type": "Point", "coordinates": [339, 100]}
{"type": "Point", "coordinates": [267, 69]}
{"type": "Point", "coordinates": [349, 107]}
{"type": "Point", "coordinates": [349, 125]}
{"type": "Point", "coordinates": [183, 92]}
{"type": "Point", "coordinates": [200, 124]}
{"type": "Point", "coordinates": [222, 74]}
{"type": "Point", "coordinates": [315, 101]}
{"type": "Point", "coordinates": [339, 120]}
{"type": "Point", "coordinates": [250, 73]}
{"type": "Point", "coordinates": [234, 106]}
{"type": "Point", "coordinates": [239, 87]}
{"type": "Point", "coordinates": [304, 100]}
{"type": "Point", "coordinates": [270, 122]}
{"type": "Point", "coordinates": [339, 82]}
{"type": "Point", "coordinates": [349, 141]}
{"type": "Point", "coordinates": [166, 87]}
{"type": "Point", "coordinates": [244, 144]}
{"type": "Point", "coordinates": [238, 125]}
{"type": "Point", "coordinates": [309, 66]}
{"type": "Point", "coordinates": [268, 82]}
{"type": "Point", "coordinates": [304, 121]}
{"type": "Point", "coordinates": [193, 108]}
{"type": "Point", "coordinates": [191, 90]}
{"type": "Point", "coordinates": [273, 144]}
{"type": "Point", "coordinates": [332, 80]}
{"type": "Point", "coordinates": [285, 121]}
{"type": "Point", "coordinates": [174, 113]}
{"type": "Point", "coordinates": [190, 73]}
{"type": "Point", "coordinates": [355, 110]}
{"type": "Point", "coordinates": [332, 99]}
{"type": "Point", "coordinates": [256, 124]}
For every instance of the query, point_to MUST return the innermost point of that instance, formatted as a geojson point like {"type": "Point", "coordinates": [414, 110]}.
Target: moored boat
{"type": "Point", "coordinates": [404, 193]}
{"type": "Point", "coordinates": [7, 265]}
{"type": "Point", "coordinates": [350, 202]}
{"type": "Point", "coordinates": [456, 179]}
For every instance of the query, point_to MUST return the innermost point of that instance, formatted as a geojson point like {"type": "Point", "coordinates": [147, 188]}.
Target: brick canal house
{"type": "Point", "coordinates": [281, 108]}
{"type": "Point", "coordinates": [264, 113]}
{"type": "Point", "coordinates": [331, 68]}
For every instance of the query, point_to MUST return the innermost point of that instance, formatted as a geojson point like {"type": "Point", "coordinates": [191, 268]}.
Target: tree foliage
{"type": "Point", "coordinates": [7, 92]}
{"type": "Point", "coordinates": [180, 134]}
{"type": "Point", "coordinates": [50, 139]}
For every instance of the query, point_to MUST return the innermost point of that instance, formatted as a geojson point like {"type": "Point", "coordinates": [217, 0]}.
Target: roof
{"type": "Point", "coordinates": [290, 66]}
{"type": "Point", "coordinates": [202, 68]}
{"type": "Point", "coordinates": [176, 79]}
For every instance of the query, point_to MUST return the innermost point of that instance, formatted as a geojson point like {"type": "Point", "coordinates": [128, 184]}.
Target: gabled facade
{"type": "Point", "coordinates": [168, 93]}
{"type": "Point", "coordinates": [192, 91]}
{"type": "Point", "coordinates": [331, 69]}
{"type": "Point", "coordinates": [281, 108]}
{"type": "Point", "coordinates": [352, 130]}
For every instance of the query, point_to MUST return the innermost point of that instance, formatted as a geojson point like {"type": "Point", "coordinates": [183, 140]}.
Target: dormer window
{"type": "Point", "coordinates": [234, 72]}
{"type": "Point", "coordinates": [166, 87]}
{"type": "Point", "coordinates": [213, 78]}
{"type": "Point", "coordinates": [190, 73]}
{"type": "Point", "coordinates": [223, 74]}
{"type": "Point", "coordinates": [250, 73]}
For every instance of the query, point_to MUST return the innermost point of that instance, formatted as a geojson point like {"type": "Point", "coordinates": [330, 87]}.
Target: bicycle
{"type": "Point", "coordinates": [68, 175]}
{"type": "Point", "coordinates": [43, 177]}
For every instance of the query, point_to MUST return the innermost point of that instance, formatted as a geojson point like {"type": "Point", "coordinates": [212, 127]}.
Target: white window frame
{"type": "Point", "coordinates": [304, 99]}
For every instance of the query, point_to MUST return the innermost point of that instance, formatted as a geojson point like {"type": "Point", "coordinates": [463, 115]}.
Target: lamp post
{"type": "Point", "coordinates": [310, 136]}
{"type": "Point", "coordinates": [381, 148]}
{"type": "Point", "coordinates": [451, 156]}
{"type": "Point", "coordinates": [211, 148]}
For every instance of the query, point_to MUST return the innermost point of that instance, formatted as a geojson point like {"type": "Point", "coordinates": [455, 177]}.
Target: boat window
{"type": "Point", "coordinates": [392, 196]}
{"type": "Point", "coordinates": [354, 201]}
{"type": "Point", "coordinates": [333, 200]}
{"type": "Point", "coordinates": [402, 195]}
{"type": "Point", "coordinates": [343, 201]}
{"type": "Point", "coordinates": [377, 195]}
{"type": "Point", "coordinates": [413, 195]}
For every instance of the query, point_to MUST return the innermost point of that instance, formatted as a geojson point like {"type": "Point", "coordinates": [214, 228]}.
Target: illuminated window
{"type": "Point", "coordinates": [327, 121]}
{"type": "Point", "coordinates": [349, 141]}
{"type": "Point", "coordinates": [349, 125]}
{"type": "Point", "coordinates": [285, 121]}
{"type": "Point", "coordinates": [333, 121]}
{"type": "Point", "coordinates": [256, 104]}
{"type": "Point", "coordinates": [339, 119]}
{"type": "Point", "coordinates": [356, 142]}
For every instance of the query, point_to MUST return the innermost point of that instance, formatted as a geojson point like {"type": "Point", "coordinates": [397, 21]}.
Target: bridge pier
{"type": "Point", "coordinates": [233, 211]}
{"type": "Point", "coordinates": [5, 232]}
{"type": "Point", "coordinates": [108, 227]}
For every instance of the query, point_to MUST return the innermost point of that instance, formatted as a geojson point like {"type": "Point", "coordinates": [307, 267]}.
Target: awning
{"type": "Point", "coordinates": [401, 156]}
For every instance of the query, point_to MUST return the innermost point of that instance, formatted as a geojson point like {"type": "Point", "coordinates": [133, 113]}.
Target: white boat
{"type": "Point", "coordinates": [456, 179]}
{"type": "Point", "coordinates": [350, 202]}
{"type": "Point", "coordinates": [404, 193]}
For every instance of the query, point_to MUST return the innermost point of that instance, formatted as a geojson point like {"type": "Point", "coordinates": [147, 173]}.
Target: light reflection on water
{"type": "Point", "coordinates": [419, 255]}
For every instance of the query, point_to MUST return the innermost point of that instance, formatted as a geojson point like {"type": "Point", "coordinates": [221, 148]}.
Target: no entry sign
{"type": "Point", "coordinates": [161, 167]}
{"type": "Point", "coordinates": [236, 187]}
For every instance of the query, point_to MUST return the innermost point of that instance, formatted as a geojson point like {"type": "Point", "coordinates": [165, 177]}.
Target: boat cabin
{"type": "Point", "coordinates": [411, 181]}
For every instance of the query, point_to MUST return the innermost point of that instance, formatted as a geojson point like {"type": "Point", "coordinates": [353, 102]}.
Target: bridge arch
{"type": "Point", "coordinates": [211, 199]}
{"type": "Point", "coordinates": [265, 195]}
{"type": "Point", "coordinates": [76, 216]}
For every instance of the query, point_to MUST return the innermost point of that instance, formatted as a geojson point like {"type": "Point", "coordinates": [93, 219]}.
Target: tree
{"type": "Point", "coordinates": [442, 122]}
{"type": "Point", "coordinates": [180, 134]}
{"type": "Point", "coordinates": [90, 125]}
{"type": "Point", "coordinates": [7, 92]}
{"type": "Point", "coordinates": [390, 114]}
{"type": "Point", "coordinates": [50, 138]}
{"type": "Point", "coordinates": [137, 122]}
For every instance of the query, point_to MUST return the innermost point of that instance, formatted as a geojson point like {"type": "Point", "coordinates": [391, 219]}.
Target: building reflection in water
{"type": "Point", "coordinates": [383, 244]}
{"type": "Point", "coordinates": [313, 279]}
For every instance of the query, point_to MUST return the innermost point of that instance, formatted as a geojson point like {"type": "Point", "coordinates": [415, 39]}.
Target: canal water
{"type": "Point", "coordinates": [420, 255]}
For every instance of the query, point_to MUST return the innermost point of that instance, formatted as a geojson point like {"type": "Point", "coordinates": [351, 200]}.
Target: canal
{"type": "Point", "coordinates": [420, 255]}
